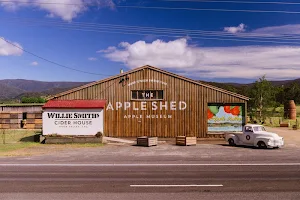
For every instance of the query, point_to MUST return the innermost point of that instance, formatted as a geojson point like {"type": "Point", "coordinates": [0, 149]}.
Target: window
{"type": "Point", "coordinates": [147, 94]}
{"type": "Point", "coordinates": [248, 129]}
{"type": "Point", "coordinates": [24, 115]}
{"type": "Point", "coordinates": [259, 128]}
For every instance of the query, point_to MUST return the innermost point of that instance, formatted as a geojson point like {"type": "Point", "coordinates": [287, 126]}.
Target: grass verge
{"type": "Point", "coordinates": [17, 148]}
{"type": "Point", "coordinates": [33, 148]}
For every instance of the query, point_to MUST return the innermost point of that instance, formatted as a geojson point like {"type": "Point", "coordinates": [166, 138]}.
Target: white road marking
{"type": "Point", "coordinates": [176, 185]}
{"type": "Point", "coordinates": [140, 164]}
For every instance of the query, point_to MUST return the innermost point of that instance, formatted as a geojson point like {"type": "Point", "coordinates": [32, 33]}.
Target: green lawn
{"type": "Point", "coordinates": [277, 117]}
{"type": "Point", "coordinates": [34, 148]}
{"type": "Point", "coordinates": [280, 110]}
{"type": "Point", "coordinates": [21, 143]}
{"type": "Point", "coordinates": [15, 136]}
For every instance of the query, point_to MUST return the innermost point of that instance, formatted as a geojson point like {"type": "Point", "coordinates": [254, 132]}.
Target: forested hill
{"type": "Point", "coordinates": [283, 90]}
{"type": "Point", "coordinates": [15, 88]}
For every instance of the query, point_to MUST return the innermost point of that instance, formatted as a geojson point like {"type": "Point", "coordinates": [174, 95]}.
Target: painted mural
{"type": "Point", "coordinates": [223, 118]}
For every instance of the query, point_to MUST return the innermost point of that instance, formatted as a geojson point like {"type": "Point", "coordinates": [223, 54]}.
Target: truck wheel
{"type": "Point", "coordinates": [261, 145]}
{"type": "Point", "coordinates": [231, 142]}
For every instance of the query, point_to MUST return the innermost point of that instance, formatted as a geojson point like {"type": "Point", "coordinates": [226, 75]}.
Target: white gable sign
{"type": "Point", "coordinates": [72, 121]}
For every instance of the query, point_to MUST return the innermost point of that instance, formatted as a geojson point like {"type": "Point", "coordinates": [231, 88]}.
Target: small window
{"type": "Point", "coordinates": [134, 94]}
{"type": "Point", "coordinates": [147, 95]}
{"type": "Point", "coordinates": [160, 94]}
{"type": "Point", "coordinates": [24, 115]}
{"type": "Point", "coordinates": [248, 129]}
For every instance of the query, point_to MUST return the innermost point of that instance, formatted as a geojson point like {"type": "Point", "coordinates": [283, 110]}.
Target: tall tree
{"type": "Point", "coordinates": [262, 96]}
{"type": "Point", "coordinates": [292, 92]}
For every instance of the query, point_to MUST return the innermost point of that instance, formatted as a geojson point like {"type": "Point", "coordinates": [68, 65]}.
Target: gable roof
{"type": "Point", "coordinates": [155, 69]}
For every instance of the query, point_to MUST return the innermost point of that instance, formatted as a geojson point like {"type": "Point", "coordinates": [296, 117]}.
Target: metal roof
{"type": "Point", "coordinates": [75, 104]}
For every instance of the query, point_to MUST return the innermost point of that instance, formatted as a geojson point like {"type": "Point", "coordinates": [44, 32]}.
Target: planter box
{"type": "Point", "coordinates": [75, 139]}
{"type": "Point", "coordinates": [82, 139]}
{"type": "Point", "coordinates": [284, 125]}
{"type": "Point", "coordinates": [186, 141]}
{"type": "Point", "coordinates": [58, 140]}
{"type": "Point", "coordinates": [146, 141]}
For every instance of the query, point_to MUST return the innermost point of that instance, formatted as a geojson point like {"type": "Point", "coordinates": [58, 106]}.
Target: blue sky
{"type": "Point", "coordinates": [98, 36]}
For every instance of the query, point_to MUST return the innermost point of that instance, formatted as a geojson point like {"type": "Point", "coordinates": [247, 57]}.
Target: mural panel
{"type": "Point", "coordinates": [224, 118]}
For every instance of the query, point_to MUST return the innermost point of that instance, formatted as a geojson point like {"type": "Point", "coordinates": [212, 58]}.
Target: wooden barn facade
{"type": "Point", "coordinates": [148, 101]}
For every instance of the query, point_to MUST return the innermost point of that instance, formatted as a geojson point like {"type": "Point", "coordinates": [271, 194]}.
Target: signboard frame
{"type": "Point", "coordinates": [234, 111]}
{"type": "Point", "coordinates": [75, 121]}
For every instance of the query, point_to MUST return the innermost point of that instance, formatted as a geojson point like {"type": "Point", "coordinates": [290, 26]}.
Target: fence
{"type": "Point", "coordinates": [15, 136]}
{"type": "Point", "coordinates": [13, 120]}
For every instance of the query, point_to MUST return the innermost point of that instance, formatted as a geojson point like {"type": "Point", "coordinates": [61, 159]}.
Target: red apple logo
{"type": "Point", "coordinates": [235, 111]}
{"type": "Point", "coordinates": [209, 114]}
{"type": "Point", "coordinates": [227, 109]}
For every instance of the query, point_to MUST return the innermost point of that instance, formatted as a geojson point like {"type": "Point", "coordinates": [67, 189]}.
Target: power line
{"type": "Point", "coordinates": [80, 28]}
{"type": "Point", "coordinates": [145, 28]}
{"type": "Point", "coordinates": [236, 2]}
{"type": "Point", "coordinates": [45, 3]}
{"type": "Point", "coordinates": [158, 7]}
{"type": "Point", "coordinates": [198, 37]}
{"type": "Point", "coordinates": [52, 62]}
{"type": "Point", "coordinates": [211, 9]}
{"type": "Point", "coordinates": [168, 32]}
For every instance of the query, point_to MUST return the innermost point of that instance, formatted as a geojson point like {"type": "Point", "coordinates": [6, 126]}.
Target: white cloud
{"type": "Point", "coordinates": [237, 29]}
{"type": "Point", "coordinates": [277, 62]}
{"type": "Point", "coordinates": [66, 12]}
{"type": "Point", "coordinates": [65, 9]}
{"type": "Point", "coordinates": [174, 53]}
{"type": "Point", "coordinates": [92, 59]}
{"type": "Point", "coordinates": [13, 6]}
{"type": "Point", "coordinates": [7, 49]}
{"type": "Point", "coordinates": [277, 30]}
{"type": "Point", "coordinates": [108, 50]}
{"type": "Point", "coordinates": [34, 63]}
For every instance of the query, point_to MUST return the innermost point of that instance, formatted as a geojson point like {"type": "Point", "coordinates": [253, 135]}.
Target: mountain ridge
{"type": "Point", "coordinates": [17, 88]}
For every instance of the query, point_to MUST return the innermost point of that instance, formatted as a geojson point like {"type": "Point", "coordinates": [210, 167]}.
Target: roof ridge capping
{"type": "Point", "coordinates": [156, 69]}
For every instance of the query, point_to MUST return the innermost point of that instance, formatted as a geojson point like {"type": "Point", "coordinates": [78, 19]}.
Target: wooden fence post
{"type": "Point", "coordinates": [3, 135]}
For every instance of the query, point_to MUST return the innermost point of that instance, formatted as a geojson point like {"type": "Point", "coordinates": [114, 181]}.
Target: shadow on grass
{"type": "Point", "coordinates": [31, 138]}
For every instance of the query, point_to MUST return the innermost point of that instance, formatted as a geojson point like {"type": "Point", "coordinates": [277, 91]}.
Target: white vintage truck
{"type": "Point", "coordinates": [254, 135]}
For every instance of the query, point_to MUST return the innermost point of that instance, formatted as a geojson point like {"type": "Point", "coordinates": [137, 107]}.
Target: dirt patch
{"type": "Point", "coordinates": [291, 137]}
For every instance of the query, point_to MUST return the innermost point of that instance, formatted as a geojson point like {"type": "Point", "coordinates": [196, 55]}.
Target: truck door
{"type": "Point", "coordinates": [248, 136]}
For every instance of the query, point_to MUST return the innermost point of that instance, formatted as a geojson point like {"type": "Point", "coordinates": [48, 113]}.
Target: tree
{"type": "Point", "coordinates": [33, 100]}
{"type": "Point", "coordinates": [262, 96]}
{"type": "Point", "coordinates": [292, 93]}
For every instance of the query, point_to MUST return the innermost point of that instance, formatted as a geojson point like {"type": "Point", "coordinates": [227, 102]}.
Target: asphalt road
{"type": "Point", "coordinates": [205, 171]}
{"type": "Point", "coordinates": [149, 181]}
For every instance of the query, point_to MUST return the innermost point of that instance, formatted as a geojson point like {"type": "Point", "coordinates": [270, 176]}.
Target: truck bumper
{"type": "Point", "coordinates": [276, 143]}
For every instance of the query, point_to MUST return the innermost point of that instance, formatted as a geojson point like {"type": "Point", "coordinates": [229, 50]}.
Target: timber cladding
{"type": "Point", "coordinates": [180, 111]}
